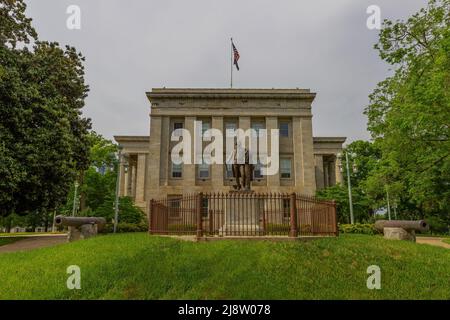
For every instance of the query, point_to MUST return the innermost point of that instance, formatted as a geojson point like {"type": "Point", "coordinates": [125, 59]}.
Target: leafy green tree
{"type": "Point", "coordinates": [409, 112]}
{"type": "Point", "coordinates": [363, 157]}
{"type": "Point", "coordinates": [129, 213]}
{"type": "Point", "coordinates": [43, 135]}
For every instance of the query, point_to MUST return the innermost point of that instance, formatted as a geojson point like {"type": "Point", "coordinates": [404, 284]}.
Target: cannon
{"type": "Point", "coordinates": [81, 227]}
{"type": "Point", "coordinates": [401, 229]}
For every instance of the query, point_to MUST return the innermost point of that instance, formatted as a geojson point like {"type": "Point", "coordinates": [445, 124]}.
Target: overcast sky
{"type": "Point", "coordinates": [132, 46]}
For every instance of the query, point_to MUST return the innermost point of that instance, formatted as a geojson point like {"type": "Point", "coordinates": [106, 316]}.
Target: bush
{"type": "Point", "coordinates": [437, 225]}
{"type": "Point", "coordinates": [278, 228]}
{"type": "Point", "coordinates": [128, 212]}
{"type": "Point", "coordinates": [182, 227]}
{"type": "Point", "coordinates": [126, 227]}
{"type": "Point", "coordinates": [360, 228]}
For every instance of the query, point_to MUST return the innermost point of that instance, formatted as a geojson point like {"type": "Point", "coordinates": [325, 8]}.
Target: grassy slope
{"type": "Point", "coordinates": [4, 241]}
{"type": "Point", "coordinates": [447, 240]}
{"type": "Point", "coordinates": [137, 266]}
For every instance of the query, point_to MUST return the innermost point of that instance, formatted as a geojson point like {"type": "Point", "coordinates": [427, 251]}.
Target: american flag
{"type": "Point", "coordinates": [236, 56]}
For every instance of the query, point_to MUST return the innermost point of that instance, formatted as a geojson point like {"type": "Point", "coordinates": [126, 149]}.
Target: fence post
{"type": "Point", "coordinates": [199, 215]}
{"type": "Point", "coordinates": [293, 207]}
{"type": "Point", "coordinates": [149, 219]}
{"type": "Point", "coordinates": [336, 227]}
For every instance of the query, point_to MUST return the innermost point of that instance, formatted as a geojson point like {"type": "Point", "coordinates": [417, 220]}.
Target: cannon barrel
{"type": "Point", "coordinates": [79, 221]}
{"type": "Point", "coordinates": [419, 225]}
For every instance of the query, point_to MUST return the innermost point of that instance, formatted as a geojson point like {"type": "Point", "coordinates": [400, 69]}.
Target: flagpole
{"type": "Point", "coordinates": [231, 45]}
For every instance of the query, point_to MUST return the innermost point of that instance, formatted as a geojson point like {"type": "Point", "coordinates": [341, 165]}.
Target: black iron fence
{"type": "Point", "coordinates": [243, 214]}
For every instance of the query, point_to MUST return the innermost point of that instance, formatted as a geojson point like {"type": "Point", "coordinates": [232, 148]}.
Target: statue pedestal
{"type": "Point", "coordinates": [242, 214]}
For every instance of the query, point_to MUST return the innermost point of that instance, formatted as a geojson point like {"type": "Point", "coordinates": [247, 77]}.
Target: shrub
{"type": "Point", "coordinates": [128, 212]}
{"type": "Point", "coordinates": [361, 228]}
{"type": "Point", "coordinates": [278, 227]}
{"type": "Point", "coordinates": [182, 227]}
{"type": "Point", "coordinates": [126, 227]}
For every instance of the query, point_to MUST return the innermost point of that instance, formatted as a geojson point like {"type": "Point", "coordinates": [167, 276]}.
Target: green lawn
{"type": "Point", "coordinates": [447, 240]}
{"type": "Point", "coordinates": [139, 266]}
{"type": "Point", "coordinates": [4, 241]}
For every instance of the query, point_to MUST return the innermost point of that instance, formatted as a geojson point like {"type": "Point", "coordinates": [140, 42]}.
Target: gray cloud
{"type": "Point", "coordinates": [134, 45]}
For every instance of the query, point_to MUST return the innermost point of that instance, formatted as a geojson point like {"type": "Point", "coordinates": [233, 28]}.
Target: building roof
{"type": "Point", "coordinates": [228, 93]}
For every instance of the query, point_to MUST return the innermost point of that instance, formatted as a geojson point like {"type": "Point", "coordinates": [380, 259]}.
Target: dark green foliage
{"type": "Point", "coordinates": [129, 213]}
{"type": "Point", "coordinates": [362, 209]}
{"type": "Point", "coordinates": [126, 227]}
{"type": "Point", "coordinates": [43, 135]}
{"type": "Point", "coordinates": [409, 113]}
{"type": "Point", "coordinates": [184, 227]}
{"type": "Point", "coordinates": [438, 225]}
{"type": "Point", "coordinates": [278, 228]}
{"type": "Point", "coordinates": [359, 228]}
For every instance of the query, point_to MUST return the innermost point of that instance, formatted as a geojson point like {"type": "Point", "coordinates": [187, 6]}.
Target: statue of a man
{"type": "Point", "coordinates": [242, 172]}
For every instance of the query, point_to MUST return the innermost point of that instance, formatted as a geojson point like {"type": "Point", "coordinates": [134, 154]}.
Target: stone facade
{"type": "Point", "coordinates": [307, 163]}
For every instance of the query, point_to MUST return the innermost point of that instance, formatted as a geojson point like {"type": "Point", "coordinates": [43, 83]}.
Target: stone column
{"type": "Point", "coordinates": [140, 177]}
{"type": "Point", "coordinates": [244, 124]}
{"type": "Point", "coordinates": [337, 170]}
{"type": "Point", "coordinates": [319, 171]}
{"type": "Point", "coordinates": [122, 176]}
{"type": "Point", "coordinates": [189, 169]}
{"type": "Point", "coordinates": [326, 174]}
{"type": "Point", "coordinates": [165, 170]}
{"type": "Point", "coordinates": [332, 172]}
{"type": "Point", "coordinates": [304, 172]}
{"type": "Point", "coordinates": [130, 177]}
{"type": "Point", "coordinates": [217, 170]}
{"type": "Point", "coordinates": [154, 156]}
{"type": "Point", "coordinates": [272, 123]}
{"type": "Point", "coordinates": [126, 186]}
{"type": "Point", "coordinates": [133, 180]}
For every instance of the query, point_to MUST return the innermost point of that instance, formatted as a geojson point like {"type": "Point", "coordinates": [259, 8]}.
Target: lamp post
{"type": "Point", "coordinates": [349, 186]}
{"type": "Point", "coordinates": [394, 205]}
{"type": "Point", "coordinates": [116, 203]}
{"type": "Point", "coordinates": [388, 204]}
{"type": "Point", "coordinates": [75, 199]}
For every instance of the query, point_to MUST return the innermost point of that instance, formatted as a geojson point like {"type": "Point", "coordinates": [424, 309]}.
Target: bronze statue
{"type": "Point", "coordinates": [242, 172]}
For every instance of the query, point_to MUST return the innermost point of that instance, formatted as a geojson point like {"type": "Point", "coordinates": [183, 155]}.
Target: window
{"type": "Point", "coordinates": [285, 168]}
{"type": "Point", "coordinates": [203, 171]}
{"type": "Point", "coordinates": [257, 126]}
{"type": "Point", "coordinates": [284, 129]}
{"type": "Point", "coordinates": [229, 171]}
{"type": "Point", "coordinates": [257, 171]}
{"type": "Point", "coordinates": [205, 126]}
{"type": "Point", "coordinates": [177, 170]}
{"type": "Point", "coordinates": [177, 125]}
{"type": "Point", "coordinates": [230, 126]}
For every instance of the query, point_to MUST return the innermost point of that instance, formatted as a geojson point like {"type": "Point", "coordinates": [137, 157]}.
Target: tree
{"type": "Point", "coordinates": [43, 135]}
{"type": "Point", "coordinates": [363, 158]}
{"type": "Point", "coordinates": [99, 181]}
{"type": "Point", "coordinates": [409, 112]}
